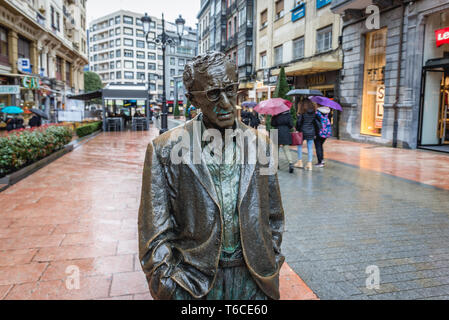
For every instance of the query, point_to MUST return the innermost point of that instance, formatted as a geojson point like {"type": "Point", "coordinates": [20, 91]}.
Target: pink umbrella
{"type": "Point", "coordinates": [273, 106]}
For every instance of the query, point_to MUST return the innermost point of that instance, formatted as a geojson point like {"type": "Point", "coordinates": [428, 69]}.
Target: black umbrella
{"type": "Point", "coordinates": [40, 113]}
{"type": "Point", "coordinates": [305, 92]}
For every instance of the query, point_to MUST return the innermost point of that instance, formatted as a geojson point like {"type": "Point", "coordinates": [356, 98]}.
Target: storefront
{"type": "Point", "coordinates": [434, 109]}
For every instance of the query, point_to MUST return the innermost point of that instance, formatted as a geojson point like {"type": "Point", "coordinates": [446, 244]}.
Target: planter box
{"type": "Point", "coordinates": [15, 177]}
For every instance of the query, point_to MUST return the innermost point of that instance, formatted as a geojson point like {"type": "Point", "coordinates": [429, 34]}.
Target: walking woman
{"type": "Point", "coordinates": [325, 132]}
{"type": "Point", "coordinates": [283, 123]}
{"type": "Point", "coordinates": [309, 124]}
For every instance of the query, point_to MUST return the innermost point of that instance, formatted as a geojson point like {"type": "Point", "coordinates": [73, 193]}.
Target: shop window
{"type": "Point", "coordinates": [324, 39]}
{"type": "Point", "coordinates": [298, 48]}
{"type": "Point", "coordinates": [264, 18]}
{"type": "Point", "coordinates": [4, 59]}
{"type": "Point", "coordinates": [374, 82]}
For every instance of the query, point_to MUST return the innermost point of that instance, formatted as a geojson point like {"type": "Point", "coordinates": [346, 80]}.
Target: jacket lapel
{"type": "Point", "coordinates": [247, 170]}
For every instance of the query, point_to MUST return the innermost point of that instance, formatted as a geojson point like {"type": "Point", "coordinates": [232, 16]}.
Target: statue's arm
{"type": "Point", "coordinates": [276, 217]}
{"type": "Point", "coordinates": [155, 228]}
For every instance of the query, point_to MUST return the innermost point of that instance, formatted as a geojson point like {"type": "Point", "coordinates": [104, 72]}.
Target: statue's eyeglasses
{"type": "Point", "coordinates": [214, 94]}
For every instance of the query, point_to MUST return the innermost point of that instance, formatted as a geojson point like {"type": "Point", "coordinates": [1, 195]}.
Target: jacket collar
{"type": "Point", "coordinates": [201, 170]}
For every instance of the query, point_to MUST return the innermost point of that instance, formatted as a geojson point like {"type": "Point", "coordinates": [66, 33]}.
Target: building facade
{"type": "Point", "coordinates": [303, 37]}
{"type": "Point", "coordinates": [43, 50]}
{"type": "Point", "coordinates": [120, 54]}
{"type": "Point", "coordinates": [395, 80]}
{"type": "Point", "coordinates": [227, 26]}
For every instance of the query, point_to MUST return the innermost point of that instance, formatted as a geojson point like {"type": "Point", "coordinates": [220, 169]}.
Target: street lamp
{"type": "Point", "coordinates": [163, 40]}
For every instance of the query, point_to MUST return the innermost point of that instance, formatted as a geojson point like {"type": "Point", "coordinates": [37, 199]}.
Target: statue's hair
{"type": "Point", "coordinates": [201, 64]}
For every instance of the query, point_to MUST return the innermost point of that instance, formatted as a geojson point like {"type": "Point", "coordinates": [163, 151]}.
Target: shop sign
{"type": "Point", "coordinates": [380, 99]}
{"type": "Point", "coordinates": [30, 82]}
{"type": "Point", "coordinates": [298, 12]}
{"type": "Point", "coordinates": [24, 65]}
{"type": "Point", "coordinates": [442, 36]}
{"type": "Point", "coordinates": [316, 79]}
{"type": "Point", "coordinates": [322, 3]}
{"type": "Point", "coordinates": [9, 90]}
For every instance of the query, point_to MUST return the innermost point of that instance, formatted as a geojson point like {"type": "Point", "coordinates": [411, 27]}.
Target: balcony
{"type": "Point", "coordinates": [231, 9]}
{"type": "Point", "coordinates": [231, 42]}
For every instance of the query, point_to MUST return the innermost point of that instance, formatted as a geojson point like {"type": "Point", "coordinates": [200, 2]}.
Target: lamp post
{"type": "Point", "coordinates": [163, 40]}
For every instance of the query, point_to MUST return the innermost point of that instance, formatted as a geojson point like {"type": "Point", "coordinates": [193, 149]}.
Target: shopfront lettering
{"type": "Point", "coordinates": [30, 82]}
{"type": "Point", "coordinates": [9, 90]}
{"type": "Point", "coordinates": [442, 36]}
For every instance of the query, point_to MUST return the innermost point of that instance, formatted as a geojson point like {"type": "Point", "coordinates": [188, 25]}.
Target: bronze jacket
{"type": "Point", "coordinates": [180, 222]}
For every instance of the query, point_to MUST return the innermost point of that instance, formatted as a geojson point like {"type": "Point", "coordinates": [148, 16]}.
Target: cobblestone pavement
{"type": "Point", "coordinates": [342, 219]}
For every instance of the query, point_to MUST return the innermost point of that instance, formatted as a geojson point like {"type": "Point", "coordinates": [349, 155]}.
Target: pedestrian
{"type": "Point", "coordinates": [283, 122]}
{"type": "Point", "coordinates": [10, 124]}
{"type": "Point", "coordinates": [309, 124]}
{"type": "Point", "coordinates": [35, 121]}
{"type": "Point", "coordinates": [245, 116]}
{"type": "Point", "coordinates": [325, 132]}
{"type": "Point", "coordinates": [254, 120]}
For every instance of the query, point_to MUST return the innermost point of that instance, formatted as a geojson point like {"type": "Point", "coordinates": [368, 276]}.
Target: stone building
{"type": "Point", "coordinates": [43, 50]}
{"type": "Point", "coordinates": [120, 54]}
{"type": "Point", "coordinates": [395, 79]}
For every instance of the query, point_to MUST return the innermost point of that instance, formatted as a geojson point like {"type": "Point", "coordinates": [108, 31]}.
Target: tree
{"type": "Point", "coordinates": [186, 109]}
{"type": "Point", "coordinates": [92, 82]}
{"type": "Point", "coordinates": [176, 112]}
{"type": "Point", "coordinates": [282, 88]}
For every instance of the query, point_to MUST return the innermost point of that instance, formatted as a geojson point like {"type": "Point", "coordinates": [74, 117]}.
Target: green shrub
{"type": "Point", "coordinates": [176, 112]}
{"type": "Point", "coordinates": [24, 147]}
{"type": "Point", "coordinates": [88, 129]}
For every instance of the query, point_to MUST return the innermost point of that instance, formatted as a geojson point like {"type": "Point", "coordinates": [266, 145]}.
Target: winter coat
{"type": "Point", "coordinates": [284, 123]}
{"type": "Point", "coordinates": [35, 121]}
{"type": "Point", "coordinates": [254, 120]}
{"type": "Point", "coordinates": [309, 124]}
{"type": "Point", "coordinates": [326, 126]}
{"type": "Point", "coordinates": [245, 117]}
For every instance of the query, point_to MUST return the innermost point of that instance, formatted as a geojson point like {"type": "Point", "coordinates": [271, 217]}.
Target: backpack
{"type": "Point", "coordinates": [326, 127]}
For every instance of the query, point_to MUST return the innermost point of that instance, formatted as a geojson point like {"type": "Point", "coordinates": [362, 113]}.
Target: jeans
{"type": "Point", "coordinates": [309, 150]}
{"type": "Point", "coordinates": [319, 148]}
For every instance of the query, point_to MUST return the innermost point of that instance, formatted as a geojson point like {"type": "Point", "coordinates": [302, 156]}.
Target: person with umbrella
{"type": "Point", "coordinates": [324, 109]}
{"type": "Point", "coordinates": [282, 121]}
{"type": "Point", "coordinates": [309, 124]}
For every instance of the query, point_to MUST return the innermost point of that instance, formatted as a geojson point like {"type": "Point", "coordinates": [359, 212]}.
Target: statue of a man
{"type": "Point", "coordinates": [212, 229]}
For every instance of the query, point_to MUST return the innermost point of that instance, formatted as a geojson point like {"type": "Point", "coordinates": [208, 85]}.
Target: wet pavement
{"type": "Point", "coordinates": [78, 217]}
{"type": "Point", "coordinates": [342, 219]}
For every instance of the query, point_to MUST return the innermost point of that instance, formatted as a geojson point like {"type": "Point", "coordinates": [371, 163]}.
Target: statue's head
{"type": "Point", "coordinates": [211, 83]}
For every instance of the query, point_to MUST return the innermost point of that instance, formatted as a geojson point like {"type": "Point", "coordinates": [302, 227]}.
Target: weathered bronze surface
{"type": "Point", "coordinates": [206, 232]}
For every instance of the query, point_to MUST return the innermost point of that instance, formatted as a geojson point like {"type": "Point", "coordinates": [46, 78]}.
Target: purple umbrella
{"type": "Point", "coordinates": [326, 102]}
{"type": "Point", "coordinates": [249, 104]}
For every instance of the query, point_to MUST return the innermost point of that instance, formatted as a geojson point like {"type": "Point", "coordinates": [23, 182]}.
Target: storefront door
{"type": "Point", "coordinates": [434, 118]}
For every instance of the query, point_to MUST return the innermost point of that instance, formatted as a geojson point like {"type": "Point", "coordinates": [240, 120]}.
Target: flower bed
{"type": "Point", "coordinates": [88, 129]}
{"type": "Point", "coordinates": [24, 147]}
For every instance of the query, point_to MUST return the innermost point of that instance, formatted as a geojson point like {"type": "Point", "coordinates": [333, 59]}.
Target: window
{"type": "Point", "coordinates": [172, 72]}
{"type": "Point", "coordinates": [4, 46]}
{"type": "Point", "coordinates": [278, 55]}
{"type": "Point", "coordinates": [128, 31]}
{"type": "Point", "coordinates": [324, 39]}
{"type": "Point", "coordinates": [152, 87]}
{"type": "Point", "coordinates": [117, 20]}
{"type": "Point", "coordinates": [264, 18]}
{"type": "Point", "coordinates": [128, 42]}
{"type": "Point", "coordinates": [111, 33]}
{"type": "Point", "coordinates": [298, 48]}
{"type": "Point", "coordinates": [118, 31]}
{"type": "Point", "coordinates": [241, 56]}
{"type": "Point", "coordinates": [59, 68]}
{"type": "Point", "coordinates": [118, 75]}
{"type": "Point", "coordinates": [140, 65]}
{"type": "Point", "coordinates": [112, 76]}
{"type": "Point", "coordinates": [111, 44]}
{"type": "Point", "coordinates": [151, 56]}
{"type": "Point", "coordinates": [128, 20]}
{"type": "Point", "coordinates": [374, 82]}
{"type": "Point", "coordinates": [118, 64]}
{"type": "Point", "coordinates": [23, 48]}
{"type": "Point", "coordinates": [159, 56]}
{"type": "Point", "coordinates": [139, 22]}
{"type": "Point", "coordinates": [141, 75]}
{"type": "Point", "coordinates": [152, 76]}
{"type": "Point", "coordinates": [172, 83]}
{"type": "Point", "coordinates": [172, 61]}
{"type": "Point", "coordinates": [151, 66]}
{"type": "Point", "coordinates": [111, 22]}
{"type": "Point", "coordinates": [140, 55]}
{"type": "Point", "coordinates": [118, 53]}
{"type": "Point", "coordinates": [151, 46]}
{"type": "Point", "coordinates": [68, 74]}
{"type": "Point", "coordinates": [111, 55]}
{"type": "Point", "coordinates": [140, 33]}
{"type": "Point", "coordinates": [140, 44]}
{"type": "Point", "coordinates": [128, 53]}
{"type": "Point", "coordinates": [129, 75]}
{"type": "Point", "coordinates": [58, 18]}
{"type": "Point", "coordinates": [128, 64]}
{"type": "Point", "coordinates": [181, 62]}
{"type": "Point", "coordinates": [242, 16]}
{"type": "Point", "coordinates": [111, 65]}
{"type": "Point", "coordinates": [118, 42]}
{"type": "Point", "coordinates": [279, 9]}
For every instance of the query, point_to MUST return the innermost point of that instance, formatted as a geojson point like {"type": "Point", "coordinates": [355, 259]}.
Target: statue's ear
{"type": "Point", "coordinates": [190, 97]}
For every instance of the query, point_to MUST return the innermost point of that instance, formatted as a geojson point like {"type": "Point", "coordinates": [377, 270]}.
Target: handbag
{"type": "Point", "coordinates": [297, 138]}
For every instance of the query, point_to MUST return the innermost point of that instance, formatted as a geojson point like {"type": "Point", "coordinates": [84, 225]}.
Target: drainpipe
{"type": "Point", "coordinates": [398, 81]}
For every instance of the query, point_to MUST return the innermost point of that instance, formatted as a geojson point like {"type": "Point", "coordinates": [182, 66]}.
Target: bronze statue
{"type": "Point", "coordinates": [209, 230]}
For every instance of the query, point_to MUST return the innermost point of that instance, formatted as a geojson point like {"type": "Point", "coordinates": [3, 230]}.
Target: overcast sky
{"type": "Point", "coordinates": [171, 8]}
